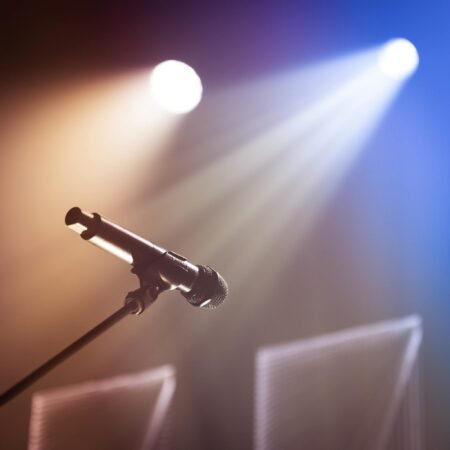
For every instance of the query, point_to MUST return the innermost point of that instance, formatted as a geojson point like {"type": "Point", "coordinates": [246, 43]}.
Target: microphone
{"type": "Point", "coordinates": [200, 285]}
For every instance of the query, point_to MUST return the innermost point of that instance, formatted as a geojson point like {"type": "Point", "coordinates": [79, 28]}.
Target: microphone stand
{"type": "Point", "coordinates": [135, 303]}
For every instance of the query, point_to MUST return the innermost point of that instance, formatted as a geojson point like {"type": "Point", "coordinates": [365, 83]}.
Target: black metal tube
{"type": "Point", "coordinates": [113, 238]}
{"type": "Point", "coordinates": [128, 308]}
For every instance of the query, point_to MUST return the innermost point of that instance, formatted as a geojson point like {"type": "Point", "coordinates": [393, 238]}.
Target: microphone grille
{"type": "Point", "coordinates": [209, 289]}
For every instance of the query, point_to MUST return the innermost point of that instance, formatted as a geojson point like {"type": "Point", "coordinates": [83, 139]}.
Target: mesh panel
{"type": "Point", "coordinates": [122, 412]}
{"type": "Point", "coordinates": [355, 389]}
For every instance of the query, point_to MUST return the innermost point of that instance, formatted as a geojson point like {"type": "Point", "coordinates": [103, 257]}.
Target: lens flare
{"type": "Point", "coordinates": [176, 87]}
{"type": "Point", "coordinates": [398, 59]}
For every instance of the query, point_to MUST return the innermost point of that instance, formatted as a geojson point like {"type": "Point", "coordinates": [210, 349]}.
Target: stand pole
{"type": "Point", "coordinates": [130, 307]}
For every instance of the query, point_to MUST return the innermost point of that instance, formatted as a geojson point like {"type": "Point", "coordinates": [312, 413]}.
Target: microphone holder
{"type": "Point", "coordinates": [135, 303]}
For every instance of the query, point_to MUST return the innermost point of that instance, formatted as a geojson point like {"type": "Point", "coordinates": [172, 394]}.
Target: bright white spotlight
{"type": "Point", "coordinates": [175, 86]}
{"type": "Point", "coordinates": [398, 59]}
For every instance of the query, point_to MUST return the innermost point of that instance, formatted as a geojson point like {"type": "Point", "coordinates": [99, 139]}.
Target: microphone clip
{"type": "Point", "coordinates": [151, 285]}
{"type": "Point", "coordinates": [142, 298]}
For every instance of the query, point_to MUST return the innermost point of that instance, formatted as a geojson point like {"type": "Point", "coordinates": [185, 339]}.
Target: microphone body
{"type": "Point", "coordinates": [200, 285]}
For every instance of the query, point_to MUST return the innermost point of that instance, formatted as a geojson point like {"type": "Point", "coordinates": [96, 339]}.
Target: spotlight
{"type": "Point", "coordinates": [175, 86]}
{"type": "Point", "coordinates": [398, 59]}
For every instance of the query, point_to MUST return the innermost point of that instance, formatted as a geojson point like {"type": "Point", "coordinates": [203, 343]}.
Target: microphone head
{"type": "Point", "coordinates": [209, 289]}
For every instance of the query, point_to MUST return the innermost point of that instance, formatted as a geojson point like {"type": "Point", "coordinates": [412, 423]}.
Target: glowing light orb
{"type": "Point", "coordinates": [398, 59]}
{"type": "Point", "coordinates": [176, 87]}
